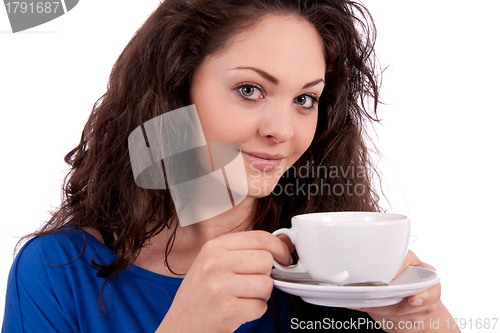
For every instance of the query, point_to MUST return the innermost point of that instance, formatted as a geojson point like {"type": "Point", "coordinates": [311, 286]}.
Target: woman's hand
{"type": "Point", "coordinates": [227, 285]}
{"type": "Point", "coordinates": [411, 313]}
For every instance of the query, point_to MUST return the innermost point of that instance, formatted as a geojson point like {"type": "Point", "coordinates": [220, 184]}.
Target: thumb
{"type": "Point", "coordinates": [289, 245]}
{"type": "Point", "coordinates": [287, 241]}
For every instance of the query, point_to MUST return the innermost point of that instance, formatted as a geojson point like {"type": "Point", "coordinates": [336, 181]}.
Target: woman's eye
{"type": "Point", "coordinates": [250, 92]}
{"type": "Point", "coordinates": [305, 101]}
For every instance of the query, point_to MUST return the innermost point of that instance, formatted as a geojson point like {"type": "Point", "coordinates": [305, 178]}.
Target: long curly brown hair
{"type": "Point", "coordinates": [153, 75]}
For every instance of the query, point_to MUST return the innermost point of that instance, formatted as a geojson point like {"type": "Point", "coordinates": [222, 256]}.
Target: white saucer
{"type": "Point", "coordinates": [412, 281]}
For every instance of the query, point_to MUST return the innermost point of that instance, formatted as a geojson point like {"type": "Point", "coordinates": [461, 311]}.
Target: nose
{"type": "Point", "coordinates": [277, 124]}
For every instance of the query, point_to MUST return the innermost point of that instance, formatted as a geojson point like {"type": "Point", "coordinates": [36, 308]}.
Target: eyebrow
{"type": "Point", "coordinates": [262, 73]}
{"type": "Point", "coordinates": [312, 84]}
{"type": "Point", "coordinates": [274, 80]}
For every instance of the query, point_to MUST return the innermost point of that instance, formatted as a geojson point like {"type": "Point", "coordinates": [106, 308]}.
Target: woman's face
{"type": "Point", "coordinates": [261, 93]}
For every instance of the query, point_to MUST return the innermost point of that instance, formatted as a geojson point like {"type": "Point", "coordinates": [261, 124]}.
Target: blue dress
{"type": "Point", "coordinates": [49, 291]}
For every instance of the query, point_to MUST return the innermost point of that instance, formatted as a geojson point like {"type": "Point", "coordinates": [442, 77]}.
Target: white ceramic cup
{"type": "Point", "coordinates": [348, 247]}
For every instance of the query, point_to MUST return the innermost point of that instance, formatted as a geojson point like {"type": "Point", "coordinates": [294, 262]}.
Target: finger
{"type": "Point", "coordinates": [251, 286]}
{"type": "Point", "coordinates": [256, 240]}
{"type": "Point", "coordinates": [253, 308]}
{"type": "Point", "coordinates": [409, 305]}
{"type": "Point", "coordinates": [427, 297]}
{"type": "Point", "coordinates": [251, 261]}
{"type": "Point", "coordinates": [287, 241]}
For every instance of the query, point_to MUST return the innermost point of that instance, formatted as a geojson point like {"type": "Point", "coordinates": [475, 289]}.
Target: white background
{"type": "Point", "coordinates": [438, 136]}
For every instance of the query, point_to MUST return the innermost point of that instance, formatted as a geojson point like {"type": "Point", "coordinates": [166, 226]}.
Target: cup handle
{"type": "Point", "coordinates": [297, 268]}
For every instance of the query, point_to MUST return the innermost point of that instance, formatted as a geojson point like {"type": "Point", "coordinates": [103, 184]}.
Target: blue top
{"type": "Point", "coordinates": [46, 294]}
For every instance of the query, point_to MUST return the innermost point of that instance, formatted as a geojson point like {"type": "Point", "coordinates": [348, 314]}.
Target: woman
{"type": "Point", "coordinates": [289, 83]}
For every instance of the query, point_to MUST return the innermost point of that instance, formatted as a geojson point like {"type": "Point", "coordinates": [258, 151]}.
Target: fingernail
{"type": "Point", "coordinates": [418, 302]}
{"type": "Point", "coordinates": [290, 260]}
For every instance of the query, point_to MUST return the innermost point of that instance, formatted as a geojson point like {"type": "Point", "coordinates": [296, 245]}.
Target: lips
{"type": "Point", "coordinates": [263, 161]}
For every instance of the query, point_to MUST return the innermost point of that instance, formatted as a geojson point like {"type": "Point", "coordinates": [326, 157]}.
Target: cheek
{"type": "Point", "coordinates": [222, 119]}
{"type": "Point", "coordinates": [305, 135]}
{"type": "Point", "coordinates": [226, 126]}
{"type": "Point", "coordinates": [213, 105]}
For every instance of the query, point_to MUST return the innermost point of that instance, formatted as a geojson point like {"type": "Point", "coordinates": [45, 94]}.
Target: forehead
{"type": "Point", "coordinates": [276, 42]}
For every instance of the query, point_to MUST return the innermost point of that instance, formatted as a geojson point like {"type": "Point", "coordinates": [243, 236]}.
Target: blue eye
{"type": "Point", "coordinates": [250, 92]}
{"type": "Point", "coordinates": [306, 101]}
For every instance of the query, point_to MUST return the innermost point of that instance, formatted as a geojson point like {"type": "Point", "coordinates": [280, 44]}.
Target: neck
{"type": "Point", "coordinates": [190, 239]}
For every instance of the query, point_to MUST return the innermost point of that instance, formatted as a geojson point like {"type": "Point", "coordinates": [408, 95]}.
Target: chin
{"type": "Point", "coordinates": [259, 188]}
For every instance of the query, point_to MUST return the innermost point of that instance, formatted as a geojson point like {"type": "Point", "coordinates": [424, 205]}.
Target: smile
{"type": "Point", "coordinates": [263, 161]}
